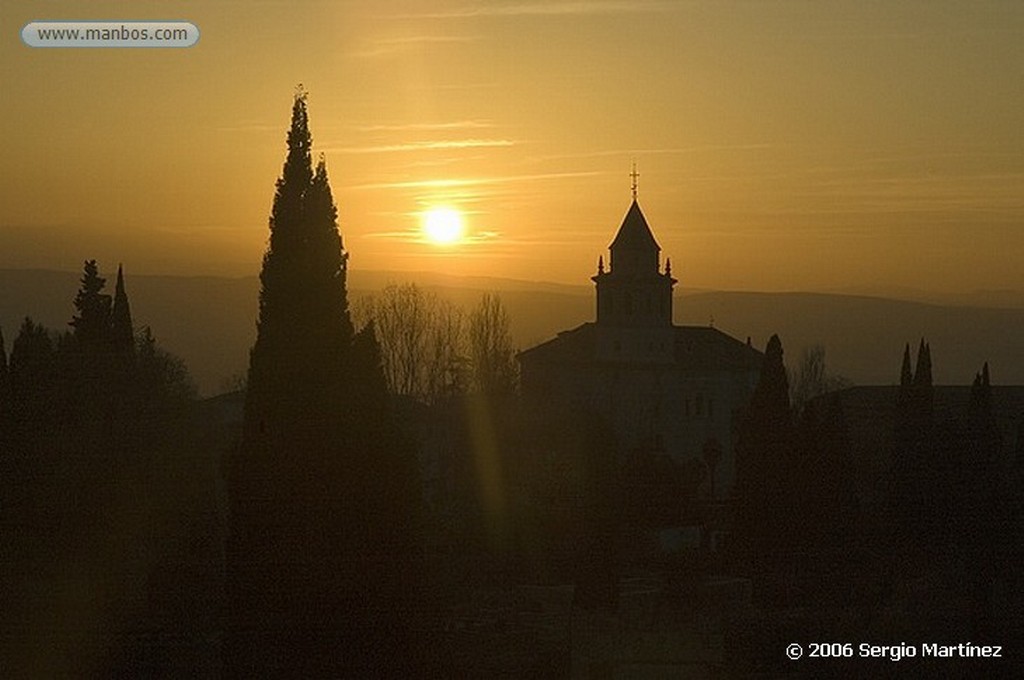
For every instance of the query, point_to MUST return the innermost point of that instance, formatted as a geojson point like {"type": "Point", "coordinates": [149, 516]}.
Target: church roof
{"type": "Point", "coordinates": [696, 348]}
{"type": "Point", "coordinates": [634, 233]}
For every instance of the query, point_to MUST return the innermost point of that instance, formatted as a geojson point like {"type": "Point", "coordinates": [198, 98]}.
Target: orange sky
{"type": "Point", "coordinates": [781, 145]}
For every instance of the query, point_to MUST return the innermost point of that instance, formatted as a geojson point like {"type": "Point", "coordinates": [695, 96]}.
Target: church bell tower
{"type": "Point", "coordinates": [634, 292]}
{"type": "Point", "coordinates": [634, 296]}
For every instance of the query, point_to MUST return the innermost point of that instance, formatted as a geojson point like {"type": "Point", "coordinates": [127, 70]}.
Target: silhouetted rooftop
{"type": "Point", "coordinates": [634, 233]}
{"type": "Point", "coordinates": [696, 347]}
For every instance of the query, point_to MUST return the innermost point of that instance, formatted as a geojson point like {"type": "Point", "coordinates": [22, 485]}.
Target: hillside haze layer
{"type": "Point", "coordinates": [210, 321]}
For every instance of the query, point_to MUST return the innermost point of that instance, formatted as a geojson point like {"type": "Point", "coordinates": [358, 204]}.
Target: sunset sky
{"type": "Point", "coordinates": [786, 145]}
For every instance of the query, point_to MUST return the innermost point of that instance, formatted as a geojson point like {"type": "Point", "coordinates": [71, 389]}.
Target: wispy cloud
{"type": "Point", "coordinates": [473, 182]}
{"type": "Point", "coordinates": [549, 9]}
{"type": "Point", "coordinates": [426, 146]}
{"type": "Point", "coordinates": [412, 235]}
{"type": "Point", "coordinates": [410, 127]}
{"type": "Point", "coordinates": [250, 127]}
{"type": "Point", "coordinates": [655, 152]}
{"type": "Point", "coordinates": [378, 47]}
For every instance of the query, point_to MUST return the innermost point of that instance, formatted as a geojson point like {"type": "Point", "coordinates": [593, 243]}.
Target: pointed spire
{"type": "Point", "coordinates": [600, 264]}
{"type": "Point", "coordinates": [984, 375]}
{"type": "Point", "coordinates": [633, 175]}
{"type": "Point", "coordinates": [668, 266]}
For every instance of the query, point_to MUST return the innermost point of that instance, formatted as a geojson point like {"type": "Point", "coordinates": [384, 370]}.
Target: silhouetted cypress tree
{"type": "Point", "coordinates": [5, 375]}
{"type": "Point", "coordinates": [920, 470]}
{"type": "Point", "coordinates": [906, 376]}
{"type": "Point", "coordinates": [766, 462]}
{"type": "Point", "coordinates": [322, 485]}
{"type": "Point", "coordinates": [923, 389]}
{"type": "Point", "coordinates": [6, 398]}
{"type": "Point", "coordinates": [92, 319]}
{"type": "Point", "coordinates": [304, 331]}
{"type": "Point", "coordinates": [980, 528]}
{"type": "Point", "coordinates": [978, 468]}
{"type": "Point", "coordinates": [122, 335]}
{"type": "Point", "coordinates": [33, 374]}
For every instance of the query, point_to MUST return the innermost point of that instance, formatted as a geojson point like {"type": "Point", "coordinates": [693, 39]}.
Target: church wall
{"type": "Point", "coordinates": [653, 407]}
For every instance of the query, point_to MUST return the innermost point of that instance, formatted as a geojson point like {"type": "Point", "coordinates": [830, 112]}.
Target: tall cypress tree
{"type": "Point", "coordinates": [316, 513]}
{"type": "Point", "coordinates": [92, 319]}
{"type": "Point", "coordinates": [33, 374]}
{"type": "Point", "coordinates": [920, 473]}
{"type": "Point", "coordinates": [6, 401]}
{"type": "Point", "coordinates": [906, 376]}
{"type": "Point", "coordinates": [766, 462]}
{"type": "Point", "coordinates": [304, 329]}
{"type": "Point", "coordinates": [122, 334]}
{"type": "Point", "coordinates": [924, 391]}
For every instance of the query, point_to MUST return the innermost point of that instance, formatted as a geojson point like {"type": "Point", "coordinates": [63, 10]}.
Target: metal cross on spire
{"type": "Point", "coordinates": [634, 175]}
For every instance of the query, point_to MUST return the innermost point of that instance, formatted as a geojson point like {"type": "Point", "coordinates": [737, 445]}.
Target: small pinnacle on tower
{"type": "Point", "coordinates": [634, 175]}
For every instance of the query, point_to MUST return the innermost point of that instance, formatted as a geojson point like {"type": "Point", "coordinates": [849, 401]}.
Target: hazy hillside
{"type": "Point", "coordinates": [864, 336]}
{"type": "Point", "coordinates": [210, 322]}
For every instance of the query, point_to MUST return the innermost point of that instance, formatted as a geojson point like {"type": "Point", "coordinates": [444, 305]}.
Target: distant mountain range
{"type": "Point", "coordinates": [210, 321]}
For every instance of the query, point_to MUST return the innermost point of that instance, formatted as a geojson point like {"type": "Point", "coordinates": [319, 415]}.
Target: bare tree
{"type": "Point", "coordinates": [811, 377]}
{"type": "Point", "coordinates": [422, 341]}
{"type": "Point", "coordinates": [447, 365]}
{"type": "Point", "coordinates": [490, 348]}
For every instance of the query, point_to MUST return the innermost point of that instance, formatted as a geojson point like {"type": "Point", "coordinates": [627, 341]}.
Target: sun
{"type": "Point", "coordinates": [442, 226]}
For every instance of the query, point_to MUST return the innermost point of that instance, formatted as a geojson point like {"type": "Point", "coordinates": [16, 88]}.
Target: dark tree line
{"type": "Point", "coordinates": [932, 556]}
{"type": "Point", "coordinates": [794, 500]}
{"type": "Point", "coordinates": [795, 478]}
{"type": "Point", "coordinates": [93, 388]}
{"type": "Point", "coordinates": [102, 481]}
{"type": "Point", "coordinates": [952, 504]}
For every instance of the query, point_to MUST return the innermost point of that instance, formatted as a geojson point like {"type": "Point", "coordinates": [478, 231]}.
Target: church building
{"type": "Point", "coordinates": [662, 388]}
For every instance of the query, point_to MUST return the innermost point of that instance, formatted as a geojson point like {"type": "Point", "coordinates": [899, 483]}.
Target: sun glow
{"type": "Point", "coordinates": [442, 226]}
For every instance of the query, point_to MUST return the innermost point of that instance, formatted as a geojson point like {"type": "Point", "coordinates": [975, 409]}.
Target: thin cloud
{"type": "Point", "coordinates": [479, 181]}
{"type": "Point", "coordinates": [550, 9]}
{"type": "Point", "coordinates": [250, 127]}
{"type": "Point", "coordinates": [416, 236]}
{"type": "Point", "coordinates": [379, 47]}
{"type": "Point", "coordinates": [655, 152]}
{"type": "Point", "coordinates": [427, 146]}
{"type": "Point", "coordinates": [405, 127]}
